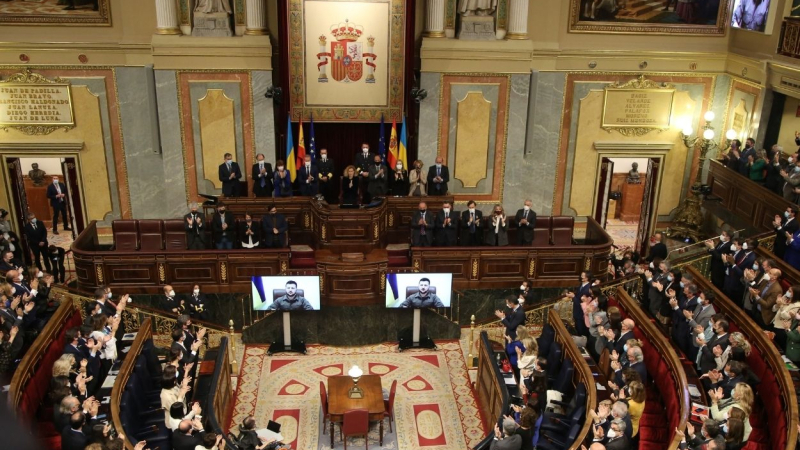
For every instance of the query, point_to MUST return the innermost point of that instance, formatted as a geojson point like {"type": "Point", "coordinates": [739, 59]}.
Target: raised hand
{"type": "Point", "coordinates": [139, 445]}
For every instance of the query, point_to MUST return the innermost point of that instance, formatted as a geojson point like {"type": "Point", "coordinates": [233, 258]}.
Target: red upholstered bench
{"type": "Point", "coordinates": [302, 257]}
{"type": "Point", "coordinates": [398, 255]}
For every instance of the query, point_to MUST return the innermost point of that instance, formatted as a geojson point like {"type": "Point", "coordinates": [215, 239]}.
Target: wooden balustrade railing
{"type": "Point", "coordinates": [145, 333]}
{"type": "Point", "coordinates": [759, 340]}
{"type": "Point", "coordinates": [492, 392]}
{"type": "Point", "coordinates": [664, 350]}
{"type": "Point", "coordinates": [219, 403]}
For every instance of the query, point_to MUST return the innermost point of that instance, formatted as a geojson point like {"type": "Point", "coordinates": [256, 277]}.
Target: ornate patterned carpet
{"type": "Point", "coordinates": [435, 406]}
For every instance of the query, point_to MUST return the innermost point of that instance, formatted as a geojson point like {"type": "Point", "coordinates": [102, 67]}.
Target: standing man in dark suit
{"type": "Point", "coordinates": [74, 437]}
{"type": "Point", "coordinates": [194, 225]}
{"type": "Point", "coordinates": [326, 169]}
{"type": "Point", "coordinates": [438, 176]}
{"type": "Point", "coordinates": [526, 220]}
{"type": "Point", "coordinates": [446, 226]}
{"type": "Point", "coordinates": [718, 253]}
{"type": "Point", "coordinates": [229, 175]}
{"type": "Point", "coordinates": [274, 228]}
{"type": "Point", "coordinates": [471, 231]}
{"type": "Point", "coordinates": [57, 193]}
{"type": "Point", "coordinates": [378, 179]}
{"type": "Point", "coordinates": [783, 225]}
{"type": "Point", "coordinates": [222, 228]}
{"type": "Point", "coordinates": [189, 435]}
{"type": "Point", "coordinates": [362, 161]}
{"type": "Point", "coordinates": [422, 225]}
{"type": "Point", "coordinates": [658, 249]}
{"type": "Point", "coordinates": [743, 259]}
{"type": "Point", "coordinates": [37, 240]}
{"type": "Point", "coordinates": [262, 177]}
{"type": "Point", "coordinates": [308, 178]}
{"type": "Point", "coordinates": [512, 318]}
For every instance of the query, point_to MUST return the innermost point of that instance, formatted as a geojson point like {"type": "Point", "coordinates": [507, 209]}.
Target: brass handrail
{"type": "Point", "coordinates": [134, 316]}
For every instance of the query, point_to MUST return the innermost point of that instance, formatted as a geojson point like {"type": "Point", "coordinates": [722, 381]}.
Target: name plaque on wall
{"type": "Point", "coordinates": [34, 104]}
{"type": "Point", "coordinates": [637, 107]}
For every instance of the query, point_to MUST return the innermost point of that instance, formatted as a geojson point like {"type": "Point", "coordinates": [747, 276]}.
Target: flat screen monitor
{"type": "Point", "coordinates": [285, 293]}
{"type": "Point", "coordinates": [418, 290]}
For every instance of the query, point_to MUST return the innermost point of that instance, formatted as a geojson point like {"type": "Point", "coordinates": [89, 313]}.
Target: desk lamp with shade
{"type": "Point", "coordinates": [355, 373]}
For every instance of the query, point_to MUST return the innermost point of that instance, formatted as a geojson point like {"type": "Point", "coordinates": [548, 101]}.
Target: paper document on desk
{"type": "Point", "coordinates": [509, 379]}
{"type": "Point", "coordinates": [109, 382]}
{"type": "Point", "coordinates": [129, 336]}
{"type": "Point", "coordinates": [693, 391]}
{"type": "Point", "coordinates": [266, 434]}
{"type": "Point", "coordinates": [600, 387]}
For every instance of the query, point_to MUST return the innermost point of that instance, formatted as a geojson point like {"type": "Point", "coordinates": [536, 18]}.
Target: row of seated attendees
{"type": "Point", "coordinates": [315, 176]}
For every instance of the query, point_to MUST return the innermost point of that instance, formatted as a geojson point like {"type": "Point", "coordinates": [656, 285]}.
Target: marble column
{"type": "Point", "coordinates": [167, 17]}
{"type": "Point", "coordinates": [518, 20]}
{"type": "Point", "coordinates": [256, 17]}
{"type": "Point", "coordinates": [434, 19]}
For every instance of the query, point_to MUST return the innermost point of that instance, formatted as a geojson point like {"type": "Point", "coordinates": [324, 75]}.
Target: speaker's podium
{"type": "Point", "coordinates": [411, 337]}
{"type": "Point", "coordinates": [288, 344]}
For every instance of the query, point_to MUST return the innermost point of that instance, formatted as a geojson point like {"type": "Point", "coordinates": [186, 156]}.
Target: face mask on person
{"type": "Point", "coordinates": [625, 348]}
{"type": "Point", "coordinates": [472, 210]}
{"type": "Point", "coordinates": [324, 156]}
{"type": "Point", "coordinates": [377, 163]}
{"type": "Point", "coordinates": [755, 266]}
{"type": "Point", "coordinates": [526, 208]}
{"type": "Point", "coordinates": [446, 210]}
{"type": "Point", "coordinates": [744, 246]}
{"type": "Point", "coordinates": [21, 277]}
{"type": "Point", "coordinates": [669, 278]}
{"type": "Point", "coordinates": [734, 248]}
{"type": "Point", "coordinates": [652, 266]}
{"type": "Point", "coordinates": [611, 433]}
{"type": "Point", "coordinates": [422, 211]}
{"type": "Point", "coordinates": [791, 160]}
{"type": "Point", "coordinates": [196, 291]}
{"type": "Point", "coordinates": [39, 274]}
{"type": "Point", "coordinates": [786, 214]}
{"type": "Point", "coordinates": [788, 294]}
{"type": "Point", "coordinates": [522, 287]}
{"type": "Point", "coordinates": [438, 166]}
{"type": "Point", "coordinates": [796, 169]}
{"type": "Point", "coordinates": [172, 294]}
{"type": "Point", "coordinates": [33, 220]}
{"type": "Point", "coordinates": [723, 238]}
{"type": "Point", "coordinates": [365, 150]}
{"type": "Point", "coordinates": [399, 167]}
{"type": "Point", "coordinates": [682, 285]}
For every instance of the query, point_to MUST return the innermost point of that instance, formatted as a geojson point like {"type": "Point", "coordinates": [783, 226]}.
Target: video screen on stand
{"type": "Point", "coordinates": [418, 290]}
{"type": "Point", "coordinates": [285, 293]}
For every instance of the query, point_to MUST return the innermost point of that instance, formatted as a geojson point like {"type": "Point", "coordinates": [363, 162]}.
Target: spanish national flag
{"type": "Point", "coordinates": [393, 153]}
{"type": "Point", "coordinates": [301, 146]}
{"type": "Point", "coordinates": [290, 156]}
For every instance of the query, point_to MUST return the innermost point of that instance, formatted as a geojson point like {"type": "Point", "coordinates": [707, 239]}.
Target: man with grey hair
{"type": "Point", "coordinates": [635, 359]}
{"type": "Point", "coordinates": [194, 225]}
{"type": "Point", "coordinates": [617, 436]}
{"type": "Point", "coordinates": [526, 220]}
{"type": "Point", "coordinates": [508, 439]}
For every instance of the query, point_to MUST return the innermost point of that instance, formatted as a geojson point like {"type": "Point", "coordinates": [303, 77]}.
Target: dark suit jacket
{"type": "Point", "coordinates": [326, 169]}
{"type": "Point", "coordinates": [230, 186]}
{"type": "Point", "coordinates": [362, 163]}
{"type": "Point", "coordinates": [526, 231]}
{"type": "Point", "coordinates": [308, 188]}
{"type": "Point", "coordinates": [181, 441]}
{"type": "Point", "coordinates": [438, 188]}
{"type": "Point", "coordinates": [186, 350]}
{"type": "Point", "coordinates": [619, 443]}
{"type": "Point", "coordinates": [512, 320]}
{"type": "Point", "coordinates": [446, 235]}
{"type": "Point", "coordinates": [508, 443]}
{"type": "Point", "coordinates": [243, 227]}
{"type": "Point", "coordinates": [255, 175]}
{"type": "Point", "coordinates": [417, 238]}
{"type": "Point", "coordinates": [657, 251]}
{"type": "Point", "coordinates": [74, 440]}
{"type": "Point", "coordinates": [36, 236]}
{"type": "Point", "coordinates": [196, 229]}
{"type": "Point", "coordinates": [378, 185]}
{"type": "Point", "coordinates": [718, 265]}
{"type": "Point", "coordinates": [780, 236]}
{"type": "Point", "coordinates": [268, 222]}
{"type": "Point", "coordinates": [52, 192]}
{"type": "Point", "coordinates": [216, 226]}
{"type": "Point", "coordinates": [465, 227]}
{"type": "Point", "coordinates": [707, 361]}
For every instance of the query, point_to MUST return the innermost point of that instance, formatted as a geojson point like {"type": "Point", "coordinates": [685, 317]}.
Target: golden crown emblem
{"type": "Point", "coordinates": [346, 31]}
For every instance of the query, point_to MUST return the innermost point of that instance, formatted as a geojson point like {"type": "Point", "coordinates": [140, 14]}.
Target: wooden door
{"type": "Point", "coordinates": [648, 216]}
{"type": "Point", "coordinates": [603, 191]}
{"type": "Point", "coordinates": [19, 203]}
{"type": "Point", "coordinates": [69, 168]}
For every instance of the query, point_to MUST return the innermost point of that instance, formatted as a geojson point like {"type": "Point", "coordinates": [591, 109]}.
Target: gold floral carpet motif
{"type": "Point", "coordinates": [435, 406]}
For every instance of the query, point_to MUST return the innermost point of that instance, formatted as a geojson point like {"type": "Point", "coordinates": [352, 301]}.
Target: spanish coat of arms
{"type": "Point", "coordinates": [346, 56]}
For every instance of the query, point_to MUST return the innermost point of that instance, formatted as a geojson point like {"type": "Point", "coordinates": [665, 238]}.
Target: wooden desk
{"type": "Point", "coordinates": [339, 402]}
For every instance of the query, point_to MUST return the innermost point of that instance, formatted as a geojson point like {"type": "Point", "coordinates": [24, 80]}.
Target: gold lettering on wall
{"type": "Point", "coordinates": [217, 132]}
{"type": "Point", "coordinates": [473, 120]}
{"type": "Point", "coordinates": [35, 104]}
{"type": "Point", "coordinates": [637, 107]}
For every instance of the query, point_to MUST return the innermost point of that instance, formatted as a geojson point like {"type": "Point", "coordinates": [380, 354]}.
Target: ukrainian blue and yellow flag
{"type": "Point", "coordinates": [391, 290]}
{"type": "Point", "coordinates": [403, 145]}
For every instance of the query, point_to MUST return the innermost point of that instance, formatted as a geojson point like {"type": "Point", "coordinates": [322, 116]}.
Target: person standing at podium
{"type": "Point", "coordinates": [471, 229]}
{"type": "Point", "coordinates": [308, 178]}
{"type": "Point", "coordinates": [526, 220]}
{"type": "Point", "coordinates": [194, 225]}
{"type": "Point", "coordinates": [274, 228]}
{"type": "Point", "coordinates": [229, 175]}
{"type": "Point", "coordinates": [262, 177]}
{"type": "Point", "coordinates": [363, 161]}
{"type": "Point", "coordinates": [326, 170]}
{"type": "Point", "coordinates": [350, 182]}
{"type": "Point", "coordinates": [378, 180]}
{"type": "Point", "coordinates": [282, 181]}
{"type": "Point", "coordinates": [446, 226]}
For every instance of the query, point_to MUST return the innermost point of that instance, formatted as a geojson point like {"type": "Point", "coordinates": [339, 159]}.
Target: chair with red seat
{"type": "Point", "coordinates": [355, 423]}
{"type": "Point", "coordinates": [323, 399]}
{"type": "Point", "coordinates": [389, 405]}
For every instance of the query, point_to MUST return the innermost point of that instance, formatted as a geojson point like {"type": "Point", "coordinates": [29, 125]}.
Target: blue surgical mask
{"type": "Point", "coordinates": [669, 278]}
{"type": "Point", "coordinates": [682, 285]}
{"type": "Point", "coordinates": [625, 347]}
{"type": "Point", "coordinates": [786, 214]}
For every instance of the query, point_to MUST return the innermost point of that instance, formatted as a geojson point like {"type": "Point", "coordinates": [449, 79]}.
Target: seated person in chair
{"type": "Point", "coordinates": [423, 298]}
{"type": "Point", "coordinates": [291, 301]}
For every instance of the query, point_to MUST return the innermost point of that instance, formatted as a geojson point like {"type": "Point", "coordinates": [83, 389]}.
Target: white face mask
{"type": "Point", "coordinates": [446, 210]}
{"type": "Point", "coordinates": [744, 246]}
{"type": "Point", "coordinates": [399, 167]}
{"type": "Point", "coordinates": [611, 433]}
{"type": "Point", "coordinates": [172, 293]}
{"type": "Point", "coordinates": [734, 248]}
{"type": "Point", "coordinates": [196, 291]}
{"type": "Point", "coordinates": [438, 166]}
{"type": "Point", "coordinates": [755, 266]}
{"type": "Point", "coordinates": [526, 208]}
{"type": "Point", "coordinates": [790, 160]}
{"type": "Point", "coordinates": [280, 168]}
{"type": "Point", "coordinates": [39, 274]}
{"type": "Point", "coordinates": [788, 294]}
{"type": "Point", "coordinates": [365, 150]}
{"type": "Point", "coordinates": [21, 277]}
{"type": "Point", "coordinates": [472, 210]}
{"type": "Point", "coordinates": [324, 156]}
{"type": "Point", "coordinates": [109, 294]}
{"type": "Point", "coordinates": [522, 287]}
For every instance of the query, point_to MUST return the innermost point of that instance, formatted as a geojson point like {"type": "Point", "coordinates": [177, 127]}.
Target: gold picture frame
{"type": "Point", "coordinates": [50, 12]}
{"type": "Point", "coordinates": [630, 19]}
